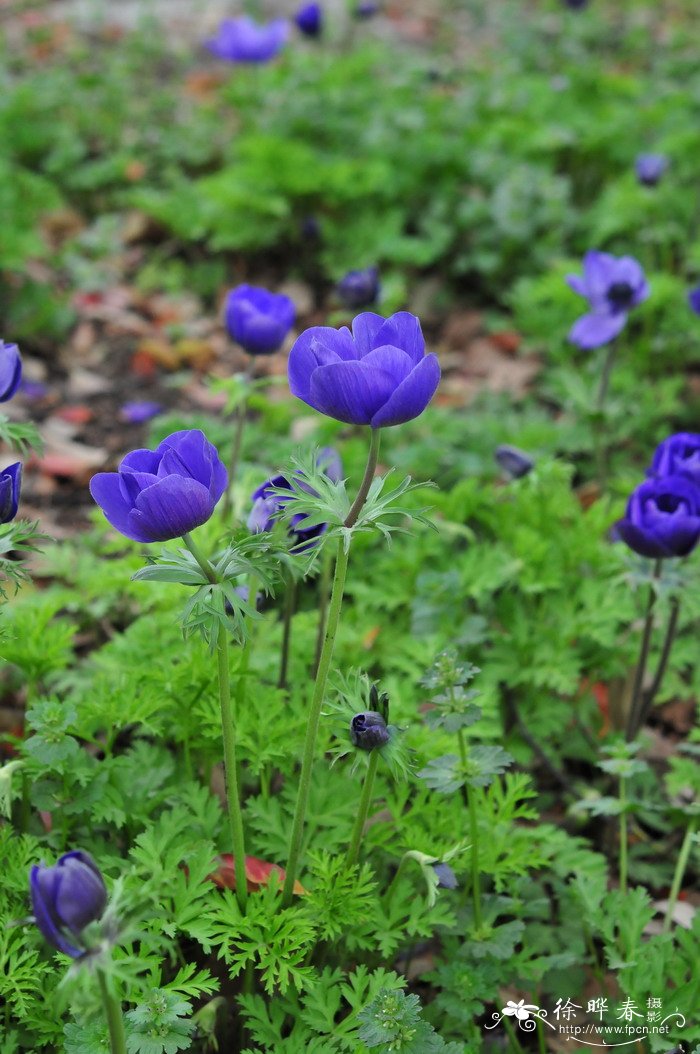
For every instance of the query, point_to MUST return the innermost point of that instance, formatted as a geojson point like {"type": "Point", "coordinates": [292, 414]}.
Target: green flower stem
{"type": "Point", "coordinates": [289, 609]}
{"type": "Point", "coordinates": [470, 798]}
{"type": "Point", "coordinates": [228, 732]}
{"type": "Point", "coordinates": [513, 1039]}
{"type": "Point", "coordinates": [636, 703]}
{"type": "Point", "coordinates": [324, 590]}
{"type": "Point", "coordinates": [233, 794]}
{"type": "Point", "coordinates": [678, 874]}
{"type": "Point", "coordinates": [399, 870]}
{"type": "Point", "coordinates": [113, 1014]}
{"type": "Point", "coordinates": [649, 697]}
{"type": "Point", "coordinates": [600, 432]}
{"type": "Point", "coordinates": [363, 809]}
{"type": "Point", "coordinates": [336, 603]}
{"type": "Point", "coordinates": [608, 363]}
{"type": "Point", "coordinates": [623, 834]}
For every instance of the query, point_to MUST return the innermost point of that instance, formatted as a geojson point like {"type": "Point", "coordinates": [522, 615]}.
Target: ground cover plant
{"type": "Point", "coordinates": [349, 508]}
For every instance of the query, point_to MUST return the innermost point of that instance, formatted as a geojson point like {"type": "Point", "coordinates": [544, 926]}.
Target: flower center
{"type": "Point", "coordinates": [670, 503]}
{"type": "Point", "coordinates": [620, 296]}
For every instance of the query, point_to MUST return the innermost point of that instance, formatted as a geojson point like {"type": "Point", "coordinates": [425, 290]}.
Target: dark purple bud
{"type": "Point", "coordinates": [66, 898]}
{"type": "Point", "coordinates": [257, 319]}
{"type": "Point", "coordinates": [447, 879]}
{"type": "Point", "coordinates": [679, 455]}
{"type": "Point", "coordinates": [244, 40]}
{"type": "Point", "coordinates": [161, 494]}
{"type": "Point", "coordinates": [366, 9]}
{"type": "Point", "coordinates": [139, 411]}
{"type": "Point", "coordinates": [515, 463]}
{"type": "Point", "coordinates": [575, 5]}
{"type": "Point", "coordinates": [662, 518]}
{"type": "Point", "coordinates": [359, 288]}
{"type": "Point", "coordinates": [10, 486]}
{"type": "Point", "coordinates": [694, 299]}
{"type": "Point", "coordinates": [368, 731]}
{"type": "Point", "coordinates": [310, 228]}
{"type": "Point", "coordinates": [10, 370]}
{"type": "Point", "coordinates": [650, 168]}
{"type": "Point", "coordinates": [309, 19]}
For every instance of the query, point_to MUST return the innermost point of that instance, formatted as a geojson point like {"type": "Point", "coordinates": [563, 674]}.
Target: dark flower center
{"type": "Point", "coordinates": [670, 503]}
{"type": "Point", "coordinates": [620, 296]}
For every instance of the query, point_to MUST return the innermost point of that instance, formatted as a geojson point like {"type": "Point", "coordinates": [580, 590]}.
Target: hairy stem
{"type": "Point", "coordinates": [600, 432]}
{"type": "Point", "coordinates": [623, 834]}
{"type": "Point", "coordinates": [363, 809]}
{"type": "Point", "coordinates": [290, 604]}
{"type": "Point", "coordinates": [228, 732]}
{"type": "Point", "coordinates": [636, 703]}
{"type": "Point", "coordinates": [336, 603]}
{"type": "Point", "coordinates": [324, 590]}
{"type": "Point", "coordinates": [649, 697]}
{"type": "Point", "coordinates": [469, 793]}
{"type": "Point", "coordinates": [678, 874]}
{"type": "Point", "coordinates": [113, 1014]}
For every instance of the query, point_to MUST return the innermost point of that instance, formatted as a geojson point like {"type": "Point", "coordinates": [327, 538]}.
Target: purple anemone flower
{"type": "Point", "coordinates": [378, 375]}
{"type": "Point", "coordinates": [662, 518]}
{"type": "Point", "coordinates": [678, 455]}
{"type": "Point", "coordinates": [309, 19]}
{"type": "Point", "coordinates": [359, 288]}
{"type": "Point", "coordinates": [612, 285]}
{"type": "Point", "coordinates": [268, 503]}
{"type": "Point", "coordinates": [161, 494]}
{"type": "Point", "coordinates": [140, 410]}
{"type": "Point", "coordinates": [650, 168]}
{"type": "Point", "coordinates": [10, 370]}
{"type": "Point", "coordinates": [66, 898]}
{"type": "Point", "coordinates": [244, 40]}
{"type": "Point", "coordinates": [10, 485]}
{"type": "Point", "coordinates": [257, 319]}
{"type": "Point", "coordinates": [694, 299]}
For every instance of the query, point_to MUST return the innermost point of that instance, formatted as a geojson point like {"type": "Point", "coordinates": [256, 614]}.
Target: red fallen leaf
{"type": "Point", "coordinates": [75, 415]}
{"type": "Point", "coordinates": [64, 466]}
{"type": "Point", "coordinates": [507, 340]}
{"type": "Point", "coordinates": [601, 695]}
{"type": "Point", "coordinates": [257, 873]}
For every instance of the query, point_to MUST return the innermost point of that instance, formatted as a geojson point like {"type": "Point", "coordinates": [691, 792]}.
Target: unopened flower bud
{"type": "Point", "coordinates": [446, 877]}
{"type": "Point", "coordinates": [368, 730]}
{"type": "Point", "coordinates": [66, 898]}
{"type": "Point", "coordinates": [515, 463]}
